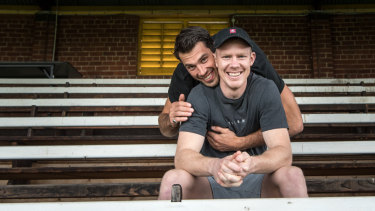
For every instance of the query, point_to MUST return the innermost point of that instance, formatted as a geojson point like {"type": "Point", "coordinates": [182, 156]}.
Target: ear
{"type": "Point", "coordinates": [252, 58]}
{"type": "Point", "coordinates": [215, 59]}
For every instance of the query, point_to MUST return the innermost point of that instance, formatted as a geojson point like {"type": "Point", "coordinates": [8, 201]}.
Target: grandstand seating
{"type": "Point", "coordinates": [82, 139]}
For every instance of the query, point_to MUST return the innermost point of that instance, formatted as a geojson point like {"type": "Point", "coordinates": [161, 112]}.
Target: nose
{"type": "Point", "coordinates": [234, 63]}
{"type": "Point", "coordinates": [201, 69]}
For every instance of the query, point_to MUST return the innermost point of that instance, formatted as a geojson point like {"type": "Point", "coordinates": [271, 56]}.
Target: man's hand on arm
{"type": "Point", "coordinates": [223, 139]}
{"type": "Point", "coordinates": [172, 115]}
{"type": "Point", "coordinates": [292, 112]}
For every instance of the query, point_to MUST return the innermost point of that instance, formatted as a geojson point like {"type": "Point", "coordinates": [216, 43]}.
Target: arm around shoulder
{"type": "Point", "coordinates": [292, 112]}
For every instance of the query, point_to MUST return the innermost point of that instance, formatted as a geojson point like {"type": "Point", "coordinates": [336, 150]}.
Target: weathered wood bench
{"type": "Point", "coordinates": [164, 90]}
{"type": "Point", "coordinates": [90, 120]}
{"type": "Point", "coordinates": [317, 179]}
{"type": "Point", "coordinates": [81, 81]}
{"type": "Point", "coordinates": [344, 183]}
{"type": "Point", "coordinates": [151, 106]}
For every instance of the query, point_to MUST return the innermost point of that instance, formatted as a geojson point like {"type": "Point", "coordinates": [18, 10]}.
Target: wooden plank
{"type": "Point", "coordinates": [124, 121]}
{"type": "Point", "coordinates": [79, 190]}
{"type": "Point", "coordinates": [351, 81]}
{"type": "Point", "coordinates": [301, 81]}
{"type": "Point", "coordinates": [314, 184]}
{"type": "Point", "coordinates": [84, 102]}
{"type": "Point", "coordinates": [87, 121]}
{"type": "Point", "coordinates": [163, 150]}
{"type": "Point", "coordinates": [91, 172]}
{"type": "Point", "coordinates": [292, 204]}
{"type": "Point", "coordinates": [92, 138]}
{"type": "Point", "coordinates": [332, 136]}
{"type": "Point", "coordinates": [98, 81]}
{"type": "Point", "coordinates": [336, 167]}
{"type": "Point", "coordinates": [161, 101]}
{"type": "Point", "coordinates": [339, 147]}
{"type": "Point", "coordinates": [92, 90]}
{"type": "Point", "coordinates": [335, 100]}
{"type": "Point", "coordinates": [324, 89]}
{"type": "Point", "coordinates": [310, 168]}
{"type": "Point", "coordinates": [87, 151]}
{"type": "Point", "coordinates": [87, 90]}
{"type": "Point", "coordinates": [341, 184]}
{"type": "Point", "coordinates": [338, 118]}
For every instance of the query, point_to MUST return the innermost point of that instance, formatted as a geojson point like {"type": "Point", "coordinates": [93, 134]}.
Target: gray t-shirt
{"type": "Point", "coordinates": [258, 108]}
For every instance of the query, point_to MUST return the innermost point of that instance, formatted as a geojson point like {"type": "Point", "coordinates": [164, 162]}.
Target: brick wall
{"type": "Point", "coordinates": [353, 40]}
{"type": "Point", "coordinates": [16, 37]}
{"type": "Point", "coordinates": [319, 46]}
{"type": "Point", "coordinates": [106, 46]}
{"type": "Point", "coordinates": [286, 41]}
{"type": "Point", "coordinates": [99, 46]}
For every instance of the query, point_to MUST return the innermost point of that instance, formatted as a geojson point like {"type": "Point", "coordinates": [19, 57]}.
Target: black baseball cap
{"type": "Point", "coordinates": [231, 32]}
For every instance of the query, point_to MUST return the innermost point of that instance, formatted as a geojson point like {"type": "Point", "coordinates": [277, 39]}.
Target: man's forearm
{"type": "Point", "coordinates": [195, 163]}
{"type": "Point", "coordinates": [271, 160]}
{"type": "Point", "coordinates": [278, 154]}
{"type": "Point", "coordinates": [252, 140]}
{"type": "Point", "coordinates": [165, 126]}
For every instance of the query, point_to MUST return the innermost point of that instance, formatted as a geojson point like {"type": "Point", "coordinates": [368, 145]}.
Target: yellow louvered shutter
{"type": "Point", "coordinates": [157, 39]}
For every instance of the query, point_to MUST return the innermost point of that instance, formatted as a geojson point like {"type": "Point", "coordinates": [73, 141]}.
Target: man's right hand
{"type": "Point", "coordinates": [227, 171]}
{"type": "Point", "coordinates": [180, 110]}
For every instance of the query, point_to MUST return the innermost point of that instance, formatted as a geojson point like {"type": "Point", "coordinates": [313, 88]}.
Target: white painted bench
{"type": "Point", "coordinates": [320, 81]}
{"type": "Point", "coordinates": [103, 121]}
{"type": "Point", "coordinates": [85, 81]}
{"type": "Point", "coordinates": [134, 151]}
{"type": "Point", "coordinates": [20, 102]}
{"type": "Point", "coordinates": [164, 90]}
{"type": "Point", "coordinates": [293, 204]}
{"type": "Point", "coordinates": [163, 150]}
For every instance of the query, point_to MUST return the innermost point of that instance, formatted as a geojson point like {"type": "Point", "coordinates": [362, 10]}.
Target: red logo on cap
{"type": "Point", "coordinates": [232, 31]}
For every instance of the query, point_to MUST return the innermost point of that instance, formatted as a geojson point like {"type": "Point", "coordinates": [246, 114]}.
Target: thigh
{"type": "Point", "coordinates": [269, 189]}
{"type": "Point", "coordinates": [201, 189]}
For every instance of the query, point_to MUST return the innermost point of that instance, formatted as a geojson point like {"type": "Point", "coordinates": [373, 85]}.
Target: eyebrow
{"type": "Point", "coordinates": [200, 58]}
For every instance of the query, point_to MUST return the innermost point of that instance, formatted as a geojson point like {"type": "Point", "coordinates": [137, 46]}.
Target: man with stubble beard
{"type": "Point", "coordinates": [188, 75]}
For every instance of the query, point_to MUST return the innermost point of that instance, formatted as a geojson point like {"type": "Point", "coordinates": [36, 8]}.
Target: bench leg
{"type": "Point", "coordinates": [176, 194]}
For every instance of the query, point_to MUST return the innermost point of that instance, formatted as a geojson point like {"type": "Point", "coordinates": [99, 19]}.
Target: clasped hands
{"type": "Point", "coordinates": [231, 170]}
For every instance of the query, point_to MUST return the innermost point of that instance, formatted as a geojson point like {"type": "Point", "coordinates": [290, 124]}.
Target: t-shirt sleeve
{"type": "Point", "coordinates": [197, 122]}
{"type": "Point", "coordinates": [181, 83]}
{"type": "Point", "coordinates": [263, 67]}
{"type": "Point", "coordinates": [272, 114]}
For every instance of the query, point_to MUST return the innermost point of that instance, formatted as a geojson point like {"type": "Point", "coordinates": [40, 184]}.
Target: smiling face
{"type": "Point", "coordinates": [233, 61]}
{"type": "Point", "coordinates": [200, 64]}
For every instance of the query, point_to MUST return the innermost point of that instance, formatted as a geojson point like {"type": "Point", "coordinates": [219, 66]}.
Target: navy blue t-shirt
{"type": "Point", "coordinates": [258, 108]}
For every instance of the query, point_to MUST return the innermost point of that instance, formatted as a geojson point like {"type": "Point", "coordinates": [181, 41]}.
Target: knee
{"type": "Point", "coordinates": [175, 176]}
{"type": "Point", "coordinates": [294, 175]}
{"type": "Point", "coordinates": [170, 178]}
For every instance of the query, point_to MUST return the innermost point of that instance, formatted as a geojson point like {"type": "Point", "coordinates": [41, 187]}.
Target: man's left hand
{"type": "Point", "coordinates": [223, 139]}
{"type": "Point", "coordinates": [245, 161]}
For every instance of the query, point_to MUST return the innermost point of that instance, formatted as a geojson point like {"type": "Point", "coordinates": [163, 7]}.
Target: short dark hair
{"type": "Point", "coordinates": [189, 37]}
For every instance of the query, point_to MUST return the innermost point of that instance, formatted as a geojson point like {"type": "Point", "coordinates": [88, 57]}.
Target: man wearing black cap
{"type": "Point", "coordinates": [186, 76]}
{"type": "Point", "coordinates": [243, 102]}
